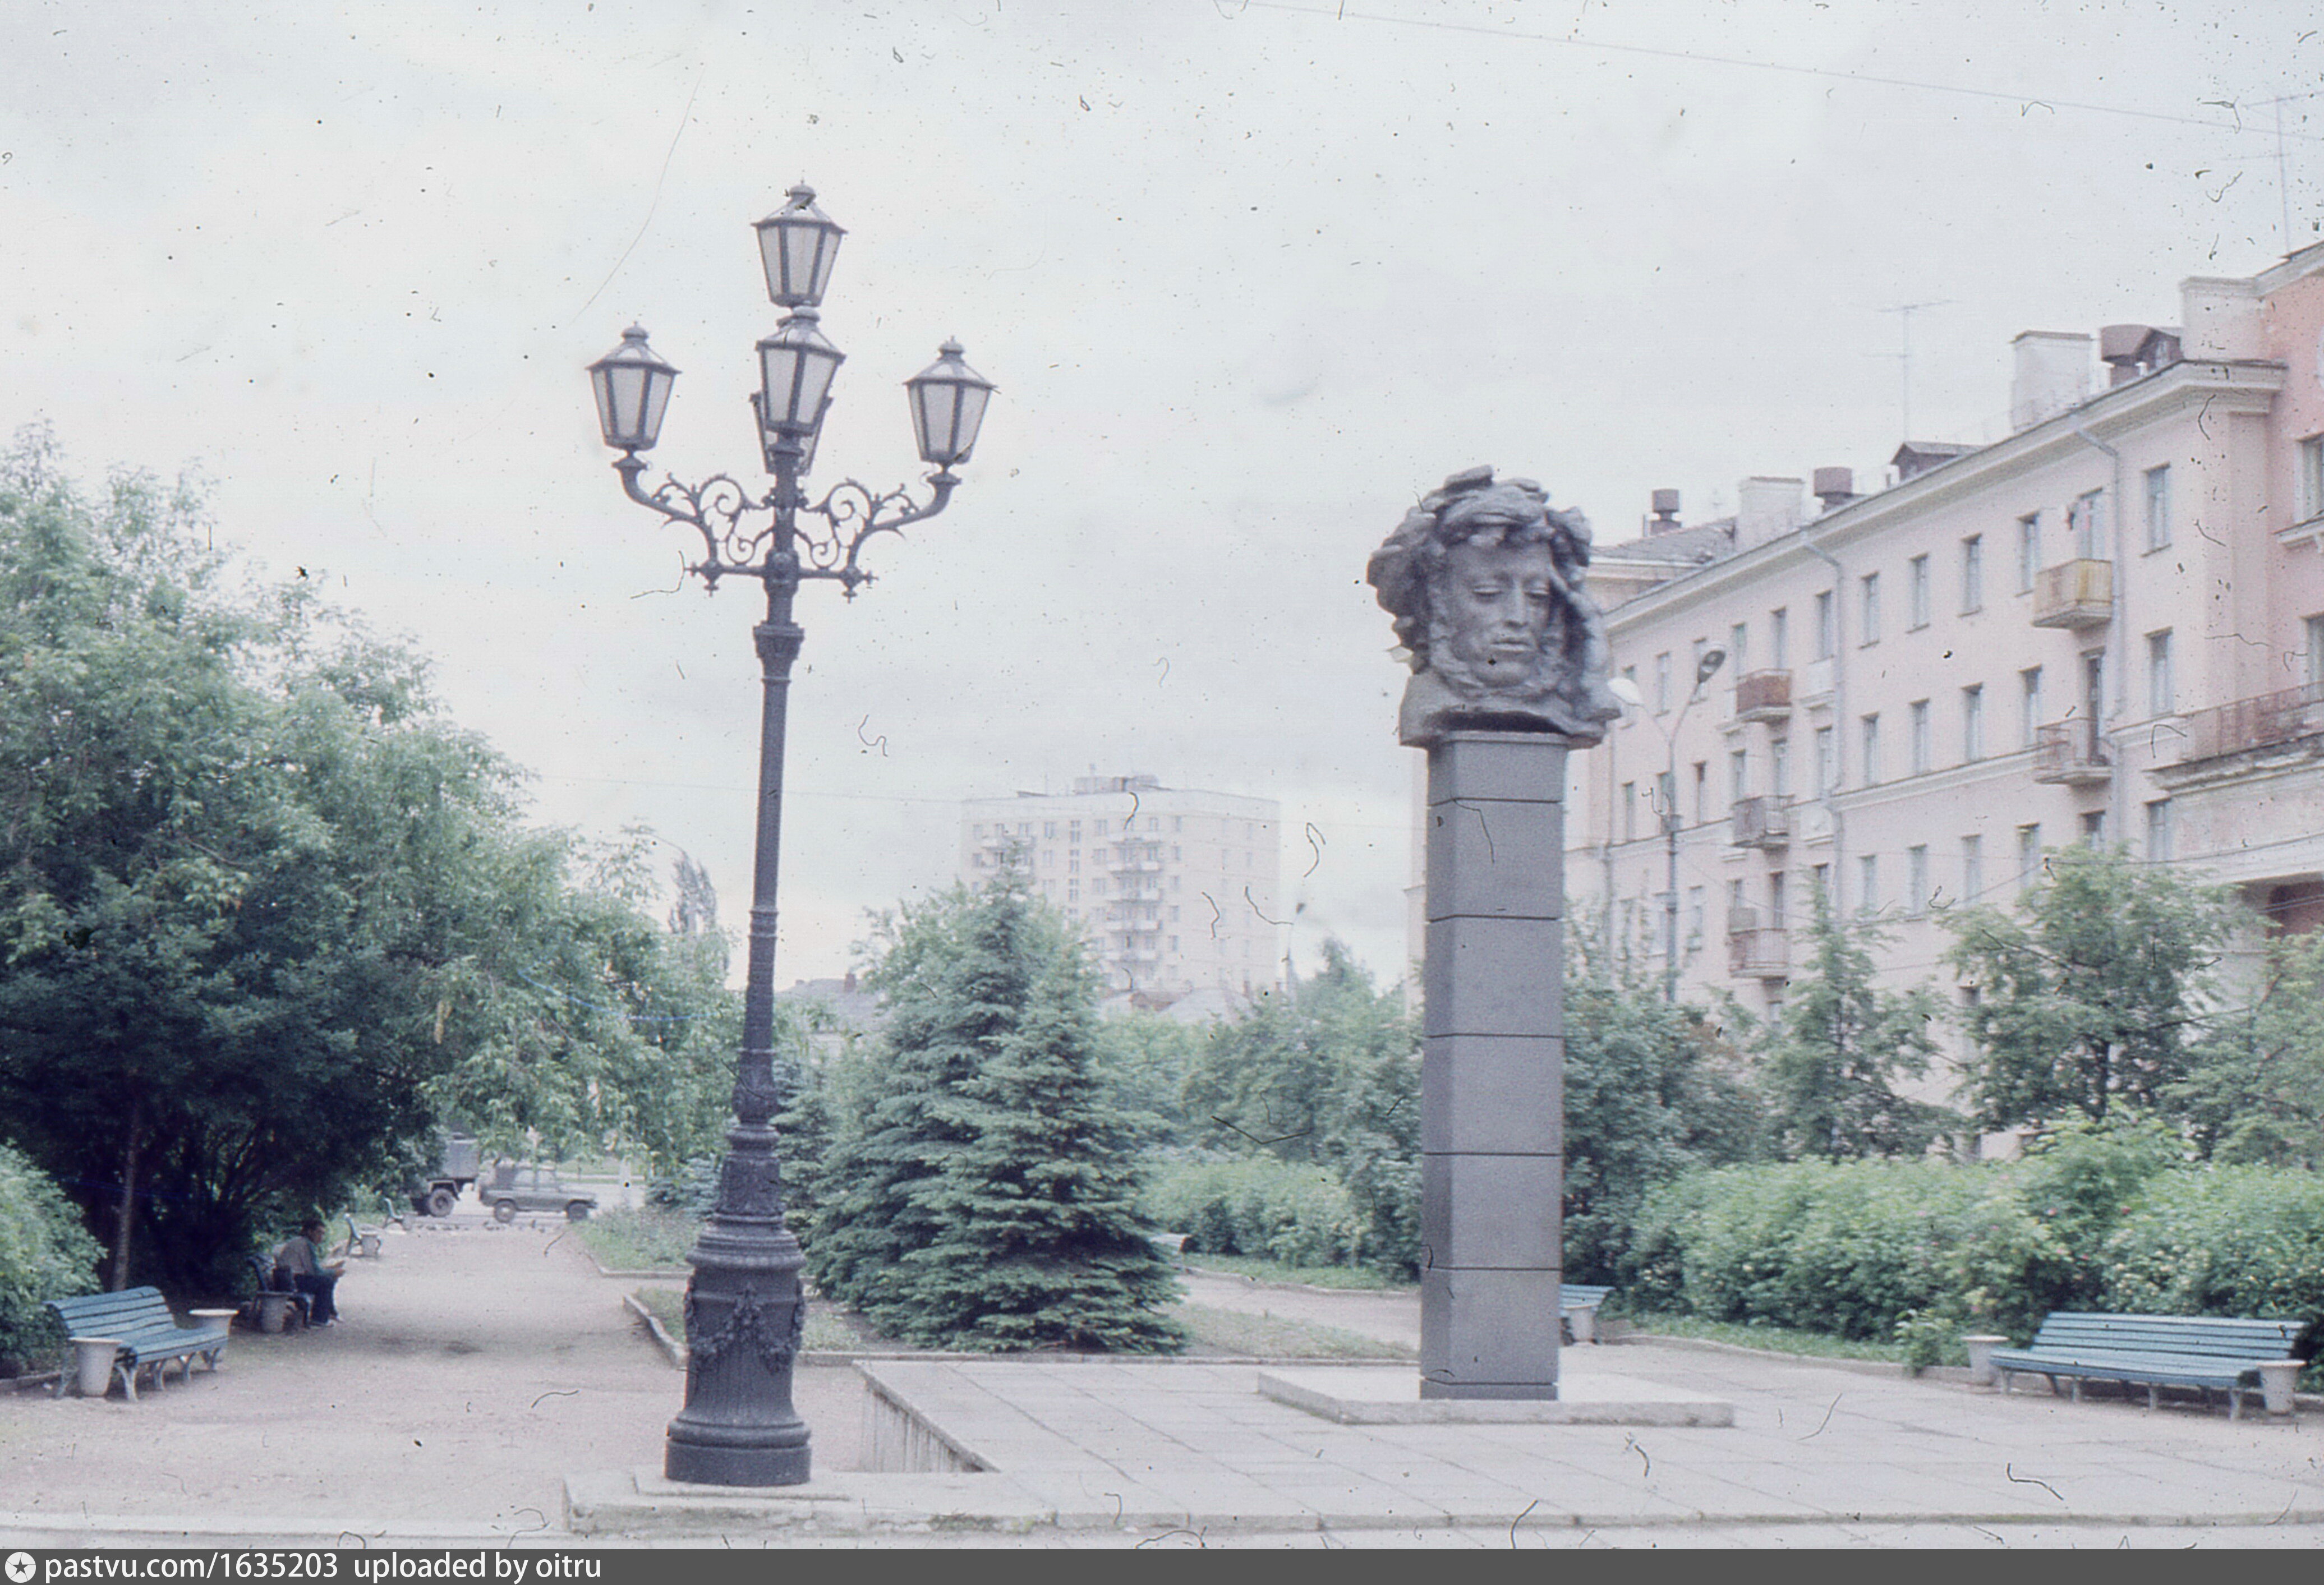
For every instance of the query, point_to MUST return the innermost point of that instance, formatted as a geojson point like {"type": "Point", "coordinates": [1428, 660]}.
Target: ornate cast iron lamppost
{"type": "Point", "coordinates": [744, 1315]}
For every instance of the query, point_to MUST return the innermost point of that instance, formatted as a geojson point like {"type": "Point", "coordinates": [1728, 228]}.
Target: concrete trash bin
{"type": "Point", "coordinates": [2278, 1380]}
{"type": "Point", "coordinates": [93, 1364]}
{"type": "Point", "coordinates": [1980, 1347]}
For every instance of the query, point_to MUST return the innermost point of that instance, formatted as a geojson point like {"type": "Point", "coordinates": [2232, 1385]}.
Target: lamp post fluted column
{"type": "Point", "coordinates": [745, 1314]}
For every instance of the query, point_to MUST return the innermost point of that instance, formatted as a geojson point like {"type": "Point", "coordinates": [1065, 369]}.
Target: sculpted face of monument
{"type": "Point", "coordinates": [1484, 580]}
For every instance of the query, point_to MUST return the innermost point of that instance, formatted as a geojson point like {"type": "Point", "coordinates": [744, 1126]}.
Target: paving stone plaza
{"type": "Point", "coordinates": [487, 1387]}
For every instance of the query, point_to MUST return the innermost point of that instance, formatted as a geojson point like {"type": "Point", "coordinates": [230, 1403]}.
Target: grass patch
{"type": "Point", "coordinates": [1778, 1340]}
{"type": "Point", "coordinates": [1276, 1337]}
{"type": "Point", "coordinates": [1363, 1278]}
{"type": "Point", "coordinates": [829, 1329]}
{"type": "Point", "coordinates": [645, 1238]}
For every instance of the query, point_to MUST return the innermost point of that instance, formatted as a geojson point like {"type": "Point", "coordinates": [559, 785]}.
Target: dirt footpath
{"type": "Point", "coordinates": [473, 1367]}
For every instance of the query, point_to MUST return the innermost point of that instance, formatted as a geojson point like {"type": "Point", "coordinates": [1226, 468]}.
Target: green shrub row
{"type": "Point", "coordinates": [44, 1254]}
{"type": "Point", "coordinates": [1927, 1249]}
{"type": "Point", "coordinates": [1295, 1212]}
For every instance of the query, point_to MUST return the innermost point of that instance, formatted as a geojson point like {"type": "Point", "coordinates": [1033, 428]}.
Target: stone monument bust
{"type": "Point", "coordinates": [1484, 578]}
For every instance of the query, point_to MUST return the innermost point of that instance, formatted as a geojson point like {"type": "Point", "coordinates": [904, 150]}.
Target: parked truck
{"type": "Point", "coordinates": [435, 1194]}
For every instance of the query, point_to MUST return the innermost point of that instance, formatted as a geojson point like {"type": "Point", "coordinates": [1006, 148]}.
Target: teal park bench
{"type": "Point", "coordinates": [1578, 1311]}
{"type": "Point", "coordinates": [147, 1336]}
{"type": "Point", "coordinates": [2202, 1351]}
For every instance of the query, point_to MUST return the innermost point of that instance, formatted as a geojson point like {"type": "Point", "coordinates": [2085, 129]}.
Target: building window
{"type": "Point", "coordinates": [1049, 829]}
{"type": "Point", "coordinates": [1777, 900]}
{"type": "Point", "coordinates": [1739, 649]}
{"type": "Point", "coordinates": [2311, 477]}
{"type": "Point", "coordinates": [1972, 868]}
{"type": "Point", "coordinates": [1695, 908]}
{"type": "Point", "coordinates": [1702, 788]}
{"type": "Point", "coordinates": [1662, 682]}
{"type": "Point", "coordinates": [1916, 719]}
{"type": "Point", "coordinates": [1701, 648]}
{"type": "Point", "coordinates": [2029, 704]}
{"type": "Point", "coordinates": [1973, 574]}
{"type": "Point", "coordinates": [2158, 830]}
{"type": "Point", "coordinates": [1871, 766]}
{"type": "Point", "coordinates": [1738, 776]}
{"type": "Point", "coordinates": [2029, 550]}
{"type": "Point", "coordinates": [1973, 722]}
{"type": "Point", "coordinates": [977, 830]}
{"type": "Point", "coordinates": [1916, 590]}
{"type": "Point", "coordinates": [2082, 525]}
{"type": "Point", "coordinates": [1868, 882]}
{"type": "Point", "coordinates": [1871, 585]}
{"type": "Point", "coordinates": [2158, 507]}
{"type": "Point", "coordinates": [1779, 639]}
{"type": "Point", "coordinates": [1666, 799]}
{"type": "Point", "coordinates": [1630, 811]}
{"type": "Point", "coordinates": [1827, 636]}
{"type": "Point", "coordinates": [1916, 880]}
{"type": "Point", "coordinates": [1827, 762]}
{"type": "Point", "coordinates": [2314, 627]}
{"type": "Point", "coordinates": [2094, 828]}
{"type": "Point", "coordinates": [1779, 767]}
{"type": "Point", "coordinates": [2029, 856]}
{"type": "Point", "coordinates": [2161, 697]}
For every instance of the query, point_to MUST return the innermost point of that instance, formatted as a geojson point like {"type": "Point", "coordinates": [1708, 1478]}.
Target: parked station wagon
{"type": "Point", "coordinates": [509, 1188]}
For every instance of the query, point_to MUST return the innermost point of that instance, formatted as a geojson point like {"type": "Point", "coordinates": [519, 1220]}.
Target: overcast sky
{"type": "Point", "coordinates": [1250, 277]}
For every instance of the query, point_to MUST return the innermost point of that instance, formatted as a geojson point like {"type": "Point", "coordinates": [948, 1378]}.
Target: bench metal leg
{"type": "Point", "coordinates": [2152, 1395]}
{"type": "Point", "coordinates": [2235, 1402]}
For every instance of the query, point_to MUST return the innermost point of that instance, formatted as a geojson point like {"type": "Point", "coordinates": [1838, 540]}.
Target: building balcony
{"type": "Point", "coordinates": [1136, 867]}
{"type": "Point", "coordinates": [1756, 950]}
{"type": "Point", "coordinates": [1763, 695]}
{"type": "Point", "coordinates": [1760, 822]}
{"type": "Point", "coordinates": [2074, 594]}
{"type": "Point", "coordinates": [2071, 754]}
{"type": "Point", "coordinates": [2290, 715]}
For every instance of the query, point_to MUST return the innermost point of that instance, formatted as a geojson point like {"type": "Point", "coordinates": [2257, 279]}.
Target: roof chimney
{"type": "Point", "coordinates": [1666, 518]}
{"type": "Point", "coordinates": [1765, 508]}
{"type": "Point", "coordinates": [2054, 373]}
{"type": "Point", "coordinates": [1835, 487]}
{"type": "Point", "coordinates": [2221, 317]}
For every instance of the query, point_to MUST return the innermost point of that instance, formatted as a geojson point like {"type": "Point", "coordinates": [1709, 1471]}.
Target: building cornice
{"type": "Point", "coordinates": [2228, 386]}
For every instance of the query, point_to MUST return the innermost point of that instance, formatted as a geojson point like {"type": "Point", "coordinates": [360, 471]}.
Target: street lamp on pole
{"type": "Point", "coordinates": [1628, 692]}
{"type": "Point", "coordinates": [744, 1315]}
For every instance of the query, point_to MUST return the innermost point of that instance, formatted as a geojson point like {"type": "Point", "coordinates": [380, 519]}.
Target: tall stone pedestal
{"type": "Point", "coordinates": [1493, 1092]}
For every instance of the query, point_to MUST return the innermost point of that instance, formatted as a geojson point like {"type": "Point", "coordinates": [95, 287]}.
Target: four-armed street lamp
{"type": "Point", "coordinates": [743, 1313]}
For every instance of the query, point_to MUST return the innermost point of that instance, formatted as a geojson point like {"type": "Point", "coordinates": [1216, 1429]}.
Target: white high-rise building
{"type": "Point", "coordinates": [1176, 888]}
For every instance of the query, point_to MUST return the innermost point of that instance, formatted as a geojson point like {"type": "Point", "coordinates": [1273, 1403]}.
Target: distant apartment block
{"type": "Point", "coordinates": [2106, 625]}
{"type": "Point", "coordinates": [1177, 889]}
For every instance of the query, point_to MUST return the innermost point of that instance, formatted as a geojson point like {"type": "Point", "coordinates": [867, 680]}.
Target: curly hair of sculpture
{"type": "Point", "coordinates": [1484, 578]}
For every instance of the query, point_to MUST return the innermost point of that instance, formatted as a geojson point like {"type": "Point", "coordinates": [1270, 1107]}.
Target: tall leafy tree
{"type": "Point", "coordinates": [264, 912]}
{"type": "Point", "coordinates": [2090, 994]}
{"type": "Point", "coordinates": [983, 1195]}
{"type": "Point", "coordinates": [1833, 1057]}
{"type": "Point", "coordinates": [2255, 1093]}
{"type": "Point", "coordinates": [1652, 1089]}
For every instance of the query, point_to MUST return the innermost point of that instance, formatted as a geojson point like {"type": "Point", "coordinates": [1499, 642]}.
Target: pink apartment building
{"type": "Point", "coordinates": [2109, 624]}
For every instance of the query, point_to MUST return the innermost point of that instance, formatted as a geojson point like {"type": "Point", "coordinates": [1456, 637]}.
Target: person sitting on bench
{"type": "Point", "coordinates": [300, 1262]}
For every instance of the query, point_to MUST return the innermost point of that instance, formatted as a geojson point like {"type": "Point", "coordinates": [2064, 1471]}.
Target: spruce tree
{"type": "Point", "coordinates": [982, 1193]}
